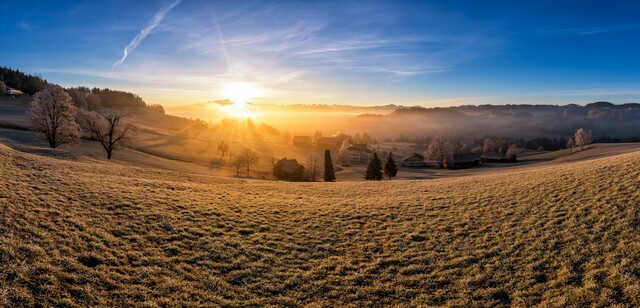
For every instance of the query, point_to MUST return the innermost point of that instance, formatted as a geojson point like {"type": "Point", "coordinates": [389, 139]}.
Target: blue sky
{"type": "Point", "coordinates": [430, 53]}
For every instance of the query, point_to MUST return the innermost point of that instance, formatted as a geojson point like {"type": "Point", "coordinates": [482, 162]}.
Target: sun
{"type": "Point", "coordinates": [240, 94]}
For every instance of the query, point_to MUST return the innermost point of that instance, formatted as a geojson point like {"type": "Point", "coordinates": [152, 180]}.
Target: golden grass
{"type": "Point", "coordinates": [93, 233]}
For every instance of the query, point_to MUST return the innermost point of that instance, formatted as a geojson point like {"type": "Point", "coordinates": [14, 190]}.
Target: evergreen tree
{"type": "Point", "coordinates": [374, 169]}
{"type": "Point", "coordinates": [390, 168]}
{"type": "Point", "coordinates": [329, 174]}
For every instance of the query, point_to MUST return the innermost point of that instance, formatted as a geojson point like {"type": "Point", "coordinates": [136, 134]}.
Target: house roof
{"type": "Point", "coordinates": [466, 158]}
{"type": "Point", "coordinates": [496, 156]}
{"type": "Point", "coordinates": [414, 156]}
{"type": "Point", "coordinates": [359, 149]}
{"type": "Point", "coordinates": [301, 139]}
{"type": "Point", "coordinates": [327, 140]}
{"type": "Point", "coordinates": [289, 165]}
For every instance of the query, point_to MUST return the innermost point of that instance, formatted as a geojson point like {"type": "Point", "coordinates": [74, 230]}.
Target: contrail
{"type": "Point", "coordinates": [286, 42]}
{"type": "Point", "coordinates": [224, 45]}
{"type": "Point", "coordinates": [148, 29]}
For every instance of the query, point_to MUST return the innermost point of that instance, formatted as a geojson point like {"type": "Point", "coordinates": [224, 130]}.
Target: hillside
{"type": "Point", "coordinates": [79, 231]}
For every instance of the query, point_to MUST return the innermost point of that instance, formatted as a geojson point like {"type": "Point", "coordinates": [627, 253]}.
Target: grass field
{"type": "Point", "coordinates": [78, 231]}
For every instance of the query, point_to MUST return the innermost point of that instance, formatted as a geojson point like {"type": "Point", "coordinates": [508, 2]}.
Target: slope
{"type": "Point", "coordinates": [78, 232]}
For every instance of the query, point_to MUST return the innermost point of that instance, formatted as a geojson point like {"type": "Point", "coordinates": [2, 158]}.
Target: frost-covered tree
{"type": "Point", "coordinates": [329, 173]}
{"type": "Point", "coordinates": [463, 148]}
{"type": "Point", "coordinates": [3, 88]}
{"type": "Point", "coordinates": [581, 137]}
{"type": "Point", "coordinates": [110, 129]}
{"type": "Point", "coordinates": [374, 169]}
{"type": "Point", "coordinates": [570, 144]}
{"type": "Point", "coordinates": [53, 115]}
{"type": "Point", "coordinates": [512, 152]}
{"type": "Point", "coordinates": [488, 146]}
{"type": "Point", "coordinates": [441, 151]}
{"type": "Point", "coordinates": [390, 168]}
{"type": "Point", "coordinates": [342, 152]}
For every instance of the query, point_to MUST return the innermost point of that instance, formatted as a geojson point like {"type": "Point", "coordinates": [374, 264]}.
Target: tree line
{"type": "Point", "coordinates": [29, 84]}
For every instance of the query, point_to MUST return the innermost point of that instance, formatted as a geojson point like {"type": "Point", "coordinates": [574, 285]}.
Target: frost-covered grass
{"type": "Point", "coordinates": [83, 232]}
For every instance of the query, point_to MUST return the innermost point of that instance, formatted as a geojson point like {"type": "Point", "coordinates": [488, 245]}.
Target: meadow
{"type": "Point", "coordinates": [80, 231]}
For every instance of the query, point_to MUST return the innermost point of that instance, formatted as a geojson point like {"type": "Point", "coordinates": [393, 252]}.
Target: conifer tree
{"type": "Point", "coordinates": [374, 169]}
{"type": "Point", "coordinates": [390, 168]}
{"type": "Point", "coordinates": [329, 173]}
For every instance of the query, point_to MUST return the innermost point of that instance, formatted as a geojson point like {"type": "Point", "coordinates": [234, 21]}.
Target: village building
{"type": "Point", "coordinates": [288, 170]}
{"type": "Point", "coordinates": [415, 160]}
{"type": "Point", "coordinates": [330, 143]}
{"type": "Point", "coordinates": [13, 92]}
{"type": "Point", "coordinates": [301, 141]}
{"type": "Point", "coordinates": [498, 157]}
{"type": "Point", "coordinates": [359, 153]}
{"type": "Point", "coordinates": [466, 160]}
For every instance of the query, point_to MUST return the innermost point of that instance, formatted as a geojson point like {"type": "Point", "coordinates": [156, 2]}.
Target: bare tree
{"type": "Point", "coordinates": [238, 161]}
{"type": "Point", "coordinates": [250, 157]}
{"type": "Point", "coordinates": [3, 88]}
{"type": "Point", "coordinates": [110, 129]}
{"type": "Point", "coordinates": [53, 115]}
{"type": "Point", "coordinates": [441, 151]}
{"type": "Point", "coordinates": [313, 166]}
{"type": "Point", "coordinates": [223, 148]}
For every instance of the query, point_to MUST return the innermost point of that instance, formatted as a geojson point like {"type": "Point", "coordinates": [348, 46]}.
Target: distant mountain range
{"type": "Point", "coordinates": [603, 118]}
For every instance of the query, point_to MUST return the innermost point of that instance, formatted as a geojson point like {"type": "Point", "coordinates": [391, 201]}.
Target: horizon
{"type": "Point", "coordinates": [183, 52]}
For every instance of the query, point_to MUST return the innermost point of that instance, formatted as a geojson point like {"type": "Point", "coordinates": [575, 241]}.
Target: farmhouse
{"type": "Point", "coordinates": [359, 153]}
{"type": "Point", "coordinates": [466, 160]}
{"type": "Point", "coordinates": [415, 160]}
{"type": "Point", "coordinates": [301, 141]}
{"type": "Point", "coordinates": [495, 158]}
{"type": "Point", "coordinates": [13, 92]}
{"type": "Point", "coordinates": [288, 169]}
{"type": "Point", "coordinates": [327, 143]}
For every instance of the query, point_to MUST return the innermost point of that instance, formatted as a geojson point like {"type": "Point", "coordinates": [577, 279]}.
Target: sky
{"type": "Point", "coordinates": [428, 53]}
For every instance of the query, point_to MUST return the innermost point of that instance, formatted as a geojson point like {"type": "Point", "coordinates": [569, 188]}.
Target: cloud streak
{"type": "Point", "coordinates": [153, 23]}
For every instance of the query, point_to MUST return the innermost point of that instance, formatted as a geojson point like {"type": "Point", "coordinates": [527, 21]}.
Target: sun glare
{"type": "Point", "coordinates": [240, 94]}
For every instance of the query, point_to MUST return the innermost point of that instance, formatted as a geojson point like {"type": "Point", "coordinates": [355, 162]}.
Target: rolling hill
{"type": "Point", "coordinates": [80, 231]}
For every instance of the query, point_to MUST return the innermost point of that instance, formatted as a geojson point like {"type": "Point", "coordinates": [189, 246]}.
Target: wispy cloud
{"type": "Point", "coordinates": [23, 25]}
{"type": "Point", "coordinates": [157, 18]}
{"type": "Point", "coordinates": [591, 30]}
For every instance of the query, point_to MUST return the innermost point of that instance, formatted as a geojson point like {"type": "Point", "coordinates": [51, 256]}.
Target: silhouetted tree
{"type": "Point", "coordinates": [223, 148]}
{"type": "Point", "coordinates": [329, 173]}
{"type": "Point", "coordinates": [374, 169]}
{"type": "Point", "coordinates": [53, 115]}
{"type": "Point", "coordinates": [238, 161]}
{"type": "Point", "coordinates": [250, 158]}
{"type": "Point", "coordinates": [156, 108]}
{"type": "Point", "coordinates": [390, 168]}
{"type": "Point", "coordinates": [110, 129]}
{"type": "Point", "coordinates": [94, 102]}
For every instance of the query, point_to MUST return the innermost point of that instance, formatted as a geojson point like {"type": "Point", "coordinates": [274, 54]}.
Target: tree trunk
{"type": "Point", "coordinates": [108, 154]}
